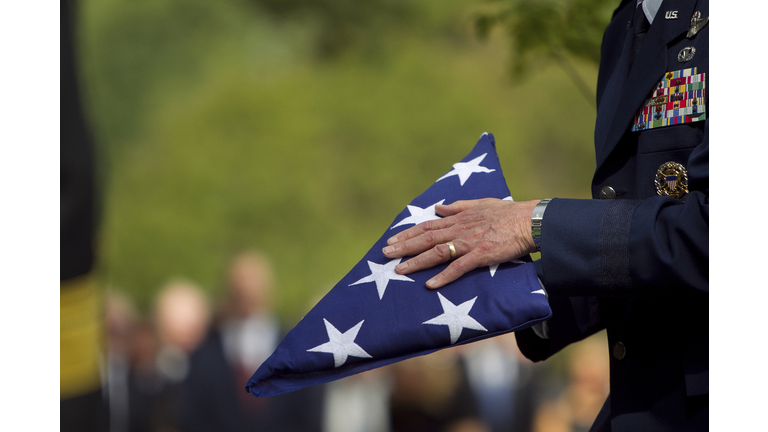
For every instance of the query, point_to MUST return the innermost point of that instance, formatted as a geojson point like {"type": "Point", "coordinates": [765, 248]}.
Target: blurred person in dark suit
{"type": "Point", "coordinates": [144, 382]}
{"type": "Point", "coordinates": [122, 318]}
{"type": "Point", "coordinates": [243, 336]}
{"type": "Point", "coordinates": [576, 407]}
{"type": "Point", "coordinates": [431, 393]}
{"type": "Point", "coordinates": [504, 383]}
{"type": "Point", "coordinates": [182, 316]}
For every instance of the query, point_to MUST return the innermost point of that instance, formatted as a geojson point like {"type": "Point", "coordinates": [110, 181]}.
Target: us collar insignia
{"type": "Point", "coordinates": [671, 180]}
{"type": "Point", "coordinates": [696, 24]}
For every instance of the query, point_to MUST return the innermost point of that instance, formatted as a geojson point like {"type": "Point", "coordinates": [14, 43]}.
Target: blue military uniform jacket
{"type": "Point", "coordinates": [631, 261]}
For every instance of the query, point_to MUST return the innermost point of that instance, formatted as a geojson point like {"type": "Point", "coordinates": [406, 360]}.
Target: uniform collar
{"type": "Point", "coordinates": [650, 7]}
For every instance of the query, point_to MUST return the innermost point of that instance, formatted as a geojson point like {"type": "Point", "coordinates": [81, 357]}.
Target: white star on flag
{"type": "Point", "coordinates": [456, 317]}
{"type": "Point", "coordinates": [495, 267]}
{"type": "Point", "coordinates": [419, 215]}
{"type": "Point", "coordinates": [341, 345]}
{"type": "Point", "coordinates": [466, 169]}
{"type": "Point", "coordinates": [382, 274]}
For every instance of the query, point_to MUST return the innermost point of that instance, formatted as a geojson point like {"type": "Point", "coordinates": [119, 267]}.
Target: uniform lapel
{"type": "Point", "coordinates": [611, 96]}
{"type": "Point", "coordinates": [648, 69]}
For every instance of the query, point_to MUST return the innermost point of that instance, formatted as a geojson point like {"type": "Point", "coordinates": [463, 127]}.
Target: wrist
{"type": "Point", "coordinates": [537, 217]}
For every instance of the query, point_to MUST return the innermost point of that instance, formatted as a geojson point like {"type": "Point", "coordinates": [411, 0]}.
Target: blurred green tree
{"type": "Point", "coordinates": [552, 30]}
{"type": "Point", "coordinates": [340, 23]}
{"type": "Point", "coordinates": [245, 123]}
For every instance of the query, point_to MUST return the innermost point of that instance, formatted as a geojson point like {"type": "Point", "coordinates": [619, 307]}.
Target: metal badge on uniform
{"type": "Point", "coordinates": [686, 54]}
{"type": "Point", "coordinates": [671, 180]}
{"type": "Point", "coordinates": [696, 24]}
{"type": "Point", "coordinates": [677, 99]}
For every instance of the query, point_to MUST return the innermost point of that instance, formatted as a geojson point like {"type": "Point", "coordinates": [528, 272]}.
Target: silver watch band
{"type": "Point", "coordinates": [536, 218]}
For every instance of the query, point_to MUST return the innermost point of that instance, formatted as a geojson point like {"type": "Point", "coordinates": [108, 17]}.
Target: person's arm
{"type": "Point", "coordinates": [654, 247]}
{"type": "Point", "coordinates": [623, 248]}
{"type": "Point", "coordinates": [573, 319]}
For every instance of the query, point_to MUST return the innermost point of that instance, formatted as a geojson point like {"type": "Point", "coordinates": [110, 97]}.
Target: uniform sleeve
{"type": "Point", "coordinates": [573, 319]}
{"type": "Point", "coordinates": [654, 247]}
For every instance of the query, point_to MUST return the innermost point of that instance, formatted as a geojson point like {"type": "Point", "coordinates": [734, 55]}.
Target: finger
{"type": "Point", "coordinates": [457, 207]}
{"type": "Point", "coordinates": [419, 229]}
{"type": "Point", "coordinates": [455, 270]}
{"type": "Point", "coordinates": [419, 244]}
{"type": "Point", "coordinates": [437, 255]}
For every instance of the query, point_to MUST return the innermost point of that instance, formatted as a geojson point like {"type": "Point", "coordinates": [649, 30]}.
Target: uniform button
{"type": "Point", "coordinates": [607, 192]}
{"type": "Point", "coordinates": [619, 350]}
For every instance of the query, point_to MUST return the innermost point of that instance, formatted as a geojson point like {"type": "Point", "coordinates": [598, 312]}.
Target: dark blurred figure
{"type": "Point", "coordinates": [83, 406]}
{"type": "Point", "coordinates": [576, 408]}
{"type": "Point", "coordinates": [503, 382]}
{"type": "Point", "coordinates": [244, 335]}
{"type": "Point", "coordinates": [122, 319]}
{"type": "Point", "coordinates": [431, 393]}
{"type": "Point", "coordinates": [144, 383]}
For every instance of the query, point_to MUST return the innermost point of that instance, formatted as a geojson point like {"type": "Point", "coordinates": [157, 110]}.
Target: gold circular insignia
{"type": "Point", "coordinates": [671, 180]}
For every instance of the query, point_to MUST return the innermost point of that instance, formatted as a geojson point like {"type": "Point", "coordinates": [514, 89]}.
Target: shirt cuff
{"type": "Point", "coordinates": [542, 329]}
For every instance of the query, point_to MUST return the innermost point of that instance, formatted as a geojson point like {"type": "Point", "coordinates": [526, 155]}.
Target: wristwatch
{"type": "Point", "coordinates": [536, 218]}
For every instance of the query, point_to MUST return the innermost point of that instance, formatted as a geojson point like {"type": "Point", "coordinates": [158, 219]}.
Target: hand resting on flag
{"type": "Point", "coordinates": [484, 232]}
{"type": "Point", "coordinates": [374, 317]}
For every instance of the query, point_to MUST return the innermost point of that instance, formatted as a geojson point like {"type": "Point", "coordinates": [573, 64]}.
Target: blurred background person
{"type": "Point", "coordinates": [182, 317]}
{"type": "Point", "coordinates": [359, 403]}
{"type": "Point", "coordinates": [122, 319]}
{"type": "Point", "coordinates": [505, 384]}
{"type": "Point", "coordinates": [431, 393]}
{"type": "Point", "coordinates": [576, 407]}
{"type": "Point", "coordinates": [244, 334]}
{"type": "Point", "coordinates": [144, 382]}
{"type": "Point", "coordinates": [249, 328]}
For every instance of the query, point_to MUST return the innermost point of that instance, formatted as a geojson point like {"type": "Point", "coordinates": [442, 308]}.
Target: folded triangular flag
{"type": "Point", "coordinates": [374, 317]}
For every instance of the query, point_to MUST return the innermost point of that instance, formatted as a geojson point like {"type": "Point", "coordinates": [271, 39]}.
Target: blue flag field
{"type": "Point", "coordinates": [374, 317]}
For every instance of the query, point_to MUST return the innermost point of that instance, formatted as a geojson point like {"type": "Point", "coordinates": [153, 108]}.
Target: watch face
{"type": "Point", "coordinates": [536, 218]}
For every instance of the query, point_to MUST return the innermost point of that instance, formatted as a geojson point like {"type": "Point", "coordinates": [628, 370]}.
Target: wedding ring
{"type": "Point", "coordinates": [453, 249]}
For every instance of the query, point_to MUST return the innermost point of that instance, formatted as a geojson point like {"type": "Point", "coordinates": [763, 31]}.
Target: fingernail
{"type": "Point", "coordinates": [431, 283]}
{"type": "Point", "coordinates": [392, 240]}
{"type": "Point", "coordinates": [388, 250]}
{"type": "Point", "coordinates": [401, 267]}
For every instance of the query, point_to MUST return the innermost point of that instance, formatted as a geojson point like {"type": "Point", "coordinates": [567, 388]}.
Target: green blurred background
{"type": "Point", "coordinates": [303, 127]}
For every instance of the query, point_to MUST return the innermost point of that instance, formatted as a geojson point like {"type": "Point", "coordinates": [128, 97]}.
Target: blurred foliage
{"type": "Point", "coordinates": [549, 30]}
{"type": "Point", "coordinates": [230, 123]}
{"type": "Point", "coordinates": [341, 23]}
